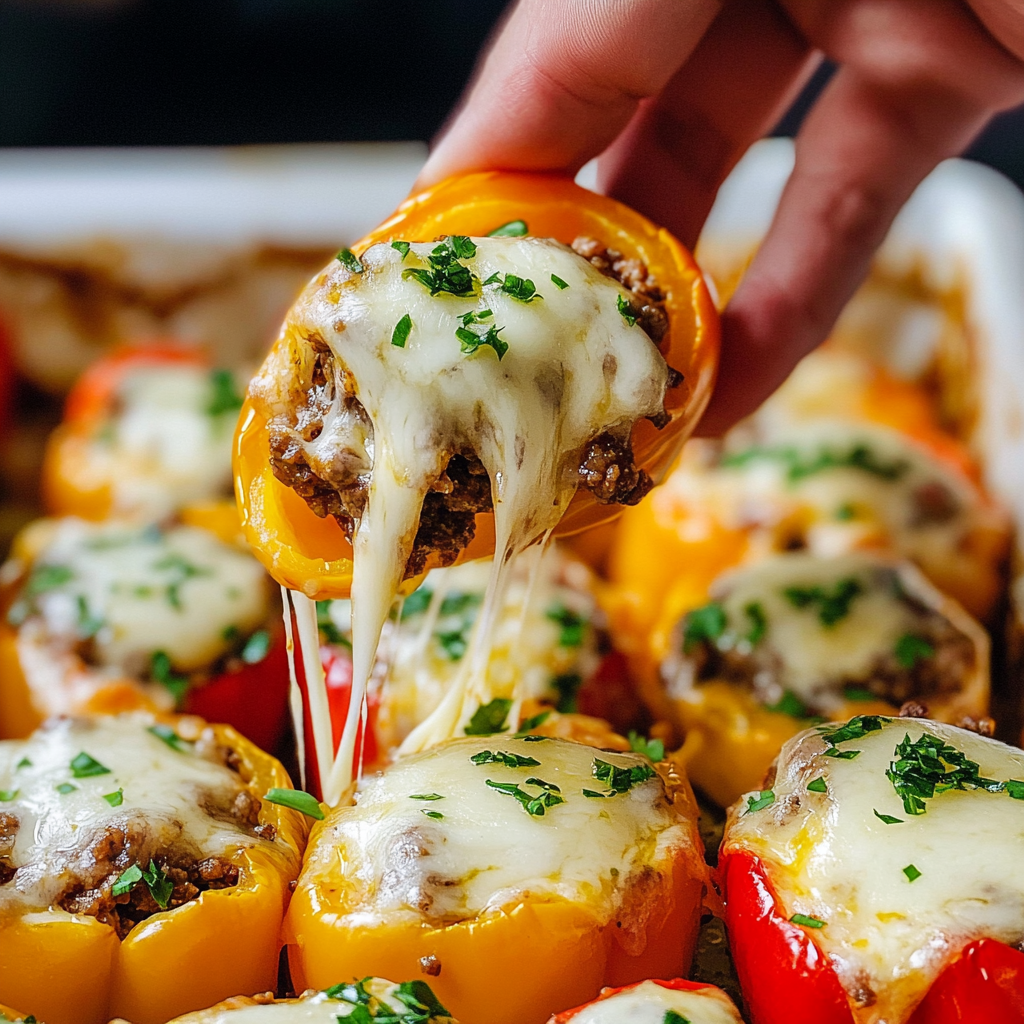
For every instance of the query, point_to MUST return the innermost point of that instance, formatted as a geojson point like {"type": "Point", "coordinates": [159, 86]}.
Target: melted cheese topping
{"type": "Point", "coordinates": [830, 857]}
{"type": "Point", "coordinates": [574, 368]}
{"type": "Point", "coordinates": [314, 1009]}
{"type": "Point", "coordinates": [543, 636]}
{"type": "Point", "coordinates": [396, 862]}
{"type": "Point", "coordinates": [164, 792]}
{"type": "Point", "coordinates": [649, 1002]}
{"type": "Point", "coordinates": [169, 444]}
{"type": "Point", "coordinates": [812, 655]}
{"type": "Point", "coordinates": [137, 591]}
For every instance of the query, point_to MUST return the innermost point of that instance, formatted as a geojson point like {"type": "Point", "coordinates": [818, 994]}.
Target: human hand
{"type": "Point", "coordinates": [672, 93]}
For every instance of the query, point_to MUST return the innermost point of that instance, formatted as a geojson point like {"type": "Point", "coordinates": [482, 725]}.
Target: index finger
{"type": "Point", "coordinates": [561, 81]}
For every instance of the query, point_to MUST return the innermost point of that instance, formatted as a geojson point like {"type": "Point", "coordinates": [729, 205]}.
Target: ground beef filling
{"type": "Point", "coordinates": [942, 674]}
{"type": "Point", "coordinates": [114, 849]}
{"type": "Point", "coordinates": [447, 521]}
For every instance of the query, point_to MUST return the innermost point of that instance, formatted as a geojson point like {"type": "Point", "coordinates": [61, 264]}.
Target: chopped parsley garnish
{"type": "Point", "coordinates": [559, 283]}
{"type": "Point", "coordinates": [887, 819]}
{"type": "Point", "coordinates": [549, 786]}
{"type": "Point", "coordinates": [453, 643]}
{"type": "Point", "coordinates": [594, 795]}
{"type": "Point", "coordinates": [858, 694]}
{"type": "Point", "coordinates": [25, 762]}
{"type": "Point", "coordinates": [400, 335]}
{"type": "Point", "coordinates": [505, 758]}
{"type": "Point", "coordinates": [297, 800]}
{"type": "Point", "coordinates": [672, 1017]}
{"type": "Point", "coordinates": [1014, 789]}
{"type": "Point", "coordinates": [161, 672]}
{"type": "Point", "coordinates": [48, 577]}
{"type": "Point", "coordinates": [841, 755]}
{"type": "Point", "coordinates": [115, 799]}
{"type": "Point", "coordinates": [536, 806]}
{"type": "Point", "coordinates": [84, 766]}
{"type": "Point", "coordinates": [911, 649]}
{"type": "Point", "coordinates": [224, 396]}
{"type": "Point", "coordinates": [184, 570]}
{"type": "Point", "coordinates": [818, 785]}
{"type": "Point", "coordinates": [350, 261]}
{"type": "Point", "coordinates": [629, 312]}
{"type": "Point", "coordinates": [765, 798]}
{"type": "Point", "coordinates": [472, 341]}
{"type": "Point", "coordinates": [567, 686]}
{"type": "Point", "coordinates": [513, 229]}
{"type": "Point", "coordinates": [799, 465]}
{"type": "Point", "coordinates": [621, 780]}
{"type": "Point", "coordinates": [161, 888]}
{"type": "Point", "coordinates": [927, 767]}
{"type": "Point", "coordinates": [845, 513]}
{"type": "Point", "coordinates": [654, 749]}
{"type": "Point", "coordinates": [64, 788]}
{"type": "Point", "coordinates": [572, 625]}
{"type": "Point", "coordinates": [446, 273]}
{"type": "Point", "coordinates": [7, 795]}
{"type": "Point", "coordinates": [489, 718]}
{"type": "Point", "coordinates": [855, 729]}
{"type": "Point", "coordinates": [88, 624]}
{"type": "Point", "coordinates": [832, 605]}
{"type": "Point", "coordinates": [229, 634]}
{"type": "Point", "coordinates": [463, 246]}
{"type": "Point", "coordinates": [417, 997]}
{"type": "Point", "coordinates": [789, 704]}
{"type": "Point", "coordinates": [171, 738]}
{"type": "Point", "coordinates": [912, 873]}
{"type": "Point", "coordinates": [327, 628]}
{"type": "Point", "coordinates": [256, 647]}
{"type": "Point", "coordinates": [758, 622]}
{"type": "Point", "coordinates": [703, 625]}
{"type": "Point", "coordinates": [416, 603]}
{"type": "Point", "coordinates": [425, 796]}
{"type": "Point", "coordinates": [402, 247]}
{"type": "Point", "coordinates": [458, 602]}
{"type": "Point", "coordinates": [529, 724]}
{"type": "Point", "coordinates": [807, 922]}
{"type": "Point", "coordinates": [522, 289]}
{"type": "Point", "coordinates": [437, 815]}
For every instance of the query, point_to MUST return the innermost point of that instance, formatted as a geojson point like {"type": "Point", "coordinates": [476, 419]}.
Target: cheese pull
{"type": "Point", "coordinates": [585, 863]}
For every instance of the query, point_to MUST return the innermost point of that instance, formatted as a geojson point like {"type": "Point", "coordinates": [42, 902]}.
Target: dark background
{"type": "Point", "coordinates": [216, 72]}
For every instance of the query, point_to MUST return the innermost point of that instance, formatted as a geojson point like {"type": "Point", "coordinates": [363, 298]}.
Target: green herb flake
{"type": "Point", "coordinates": [765, 798]}
{"type": "Point", "coordinates": [400, 335]}
{"type": "Point", "coordinates": [672, 1017]}
{"type": "Point", "coordinates": [572, 625]}
{"type": "Point", "coordinates": [115, 799]}
{"type": "Point", "coordinates": [84, 766]}
{"type": "Point", "coordinates": [329, 632]}
{"type": "Point", "coordinates": [567, 685]}
{"type": "Point", "coordinates": [529, 724]}
{"type": "Point", "coordinates": [559, 283]}
{"type": "Point", "coordinates": [256, 647]}
{"type": "Point", "coordinates": [161, 672]}
{"type": "Point", "coordinates": [1015, 789]}
{"type": "Point", "coordinates": [161, 888]}
{"type": "Point", "coordinates": [350, 261]}
{"type": "Point", "coordinates": [171, 738]}
{"type": "Point", "coordinates": [818, 785]}
{"type": "Point", "coordinates": [425, 796]}
{"type": "Point", "coordinates": [463, 246]}
{"type": "Point", "coordinates": [654, 749]}
{"type": "Point", "coordinates": [549, 786]}
{"type": "Point", "coordinates": [437, 815]}
{"type": "Point", "coordinates": [25, 762]}
{"type": "Point", "coordinates": [453, 643]}
{"type": "Point", "coordinates": [621, 780]}
{"type": "Point", "coordinates": [629, 312]}
{"type": "Point", "coordinates": [807, 922]}
{"type": "Point", "coordinates": [912, 873]}
{"type": "Point", "coordinates": [224, 396]}
{"type": "Point", "coordinates": [800, 465]}
{"type": "Point", "coordinates": [416, 603]}
{"type": "Point", "coordinates": [64, 788]}
{"type": "Point", "coordinates": [446, 273]}
{"type": "Point", "coordinates": [296, 800]}
{"type": "Point", "coordinates": [910, 650]}
{"type": "Point", "coordinates": [887, 819]}
{"type": "Point", "coordinates": [229, 634]}
{"type": "Point", "coordinates": [127, 881]}
{"type": "Point", "coordinates": [7, 795]}
{"type": "Point", "coordinates": [421, 1002]}
{"type": "Point", "coordinates": [535, 806]}
{"type": "Point", "coordinates": [758, 622]}
{"type": "Point", "coordinates": [401, 247]}
{"type": "Point", "coordinates": [592, 794]}
{"type": "Point", "coordinates": [856, 728]}
{"type": "Point", "coordinates": [703, 625]}
{"type": "Point", "coordinates": [832, 605]}
{"type": "Point", "coordinates": [789, 704]}
{"type": "Point", "coordinates": [845, 513]}
{"type": "Point", "coordinates": [504, 757]}
{"type": "Point", "coordinates": [522, 289]}
{"type": "Point", "coordinates": [841, 755]}
{"type": "Point", "coordinates": [858, 694]}
{"type": "Point", "coordinates": [513, 229]}
{"type": "Point", "coordinates": [471, 341]}
{"type": "Point", "coordinates": [489, 718]}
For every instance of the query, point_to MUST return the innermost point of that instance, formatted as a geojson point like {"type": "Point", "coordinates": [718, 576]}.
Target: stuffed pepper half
{"type": "Point", "coordinates": [655, 1002]}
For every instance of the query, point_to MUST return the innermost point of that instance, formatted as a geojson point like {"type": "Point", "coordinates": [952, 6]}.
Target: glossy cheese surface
{"type": "Point", "coordinates": [898, 900]}
{"type": "Point", "coordinates": [650, 1003]}
{"type": "Point", "coordinates": [484, 851]}
{"type": "Point", "coordinates": [133, 591]}
{"type": "Point", "coordinates": [171, 793]}
{"type": "Point", "coordinates": [169, 442]}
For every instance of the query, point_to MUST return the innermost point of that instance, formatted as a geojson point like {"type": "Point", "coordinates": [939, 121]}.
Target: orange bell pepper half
{"type": "Point", "coordinates": [311, 554]}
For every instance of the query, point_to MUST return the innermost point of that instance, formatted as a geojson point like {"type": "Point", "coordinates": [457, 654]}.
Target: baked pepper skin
{"type": "Point", "coordinates": [306, 553]}
{"type": "Point", "coordinates": [73, 970]}
{"type": "Point", "coordinates": [70, 483]}
{"type": "Point", "coordinates": [786, 979]}
{"type": "Point", "coordinates": [564, 953]}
